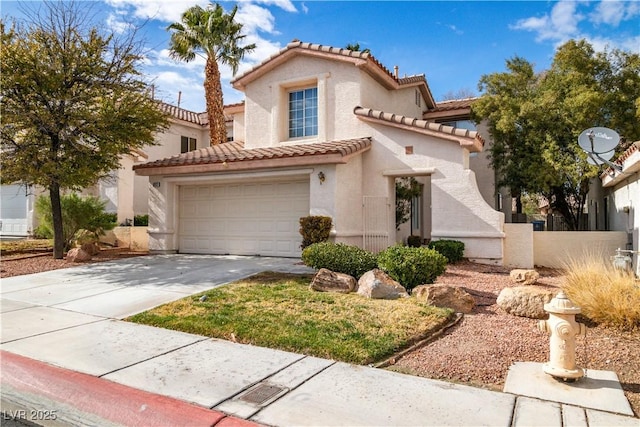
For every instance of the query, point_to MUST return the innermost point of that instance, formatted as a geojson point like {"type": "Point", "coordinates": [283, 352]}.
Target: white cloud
{"type": "Point", "coordinates": [631, 44]}
{"type": "Point", "coordinates": [255, 18]}
{"type": "Point", "coordinates": [286, 5]}
{"type": "Point", "coordinates": [608, 12]}
{"type": "Point", "coordinates": [171, 76]}
{"type": "Point", "coordinates": [614, 12]}
{"type": "Point", "coordinates": [559, 26]}
{"type": "Point", "coordinates": [166, 11]}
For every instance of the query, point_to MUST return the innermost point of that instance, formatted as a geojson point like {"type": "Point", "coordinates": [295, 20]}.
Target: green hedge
{"type": "Point", "coordinates": [453, 250]}
{"type": "Point", "coordinates": [314, 229]}
{"type": "Point", "coordinates": [412, 267]}
{"type": "Point", "coordinates": [340, 258]}
{"type": "Point", "coordinates": [141, 220]}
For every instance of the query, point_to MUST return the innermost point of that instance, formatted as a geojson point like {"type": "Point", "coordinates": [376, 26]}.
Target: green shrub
{"type": "Point", "coordinates": [340, 258]}
{"type": "Point", "coordinates": [453, 250]}
{"type": "Point", "coordinates": [141, 220]}
{"type": "Point", "coordinates": [414, 241]}
{"type": "Point", "coordinates": [412, 266]}
{"type": "Point", "coordinates": [314, 229]}
{"type": "Point", "coordinates": [84, 214]}
{"type": "Point", "coordinates": [111, 217]}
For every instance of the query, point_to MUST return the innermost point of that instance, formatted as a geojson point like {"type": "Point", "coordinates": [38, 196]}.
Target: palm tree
{"type": "Point", "coordinates": [215, 35]}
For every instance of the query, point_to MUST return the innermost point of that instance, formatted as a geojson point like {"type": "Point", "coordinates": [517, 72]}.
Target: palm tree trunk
{"type": "Point", "coordinates": [215, 103]}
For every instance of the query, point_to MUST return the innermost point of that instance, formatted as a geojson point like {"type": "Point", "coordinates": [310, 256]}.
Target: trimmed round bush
{"type": "Point", "coordinates": [451, 249]}
{"type": "Point", "coordinates": [340, 258]}
{"type": "Point", "coordinates": [412, 267]}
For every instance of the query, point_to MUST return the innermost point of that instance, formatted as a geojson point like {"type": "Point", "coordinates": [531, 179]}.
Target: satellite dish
{"type": "Point", "coordinates": [600, 159]}
{"type": "Point", "coordinates": [598, 140]}
{"type": "Point", "coordinates": [600, 144]}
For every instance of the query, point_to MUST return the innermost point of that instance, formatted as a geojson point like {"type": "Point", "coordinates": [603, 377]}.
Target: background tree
{"type": "Point", "coordinates": [406, 189]}
{"type": "Point", "coordinates": [356, 48]}
{"type": "Point", "coordinates": [72, 103]}
{"type": "Point", "coordinates": [535, 120]}
{"type": "Point", "coordinates": [215, 35]}
{"type": "Point", "coordinates": [79, 214]}
{"type": "Point", "coordinates": [507, 103]}
{"type": "Point", "coordinates": [463, 93]}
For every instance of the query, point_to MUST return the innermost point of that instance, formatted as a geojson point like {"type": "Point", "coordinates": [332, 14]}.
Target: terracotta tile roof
{"type": "Point", "coordinates": [201, 119]}
{"type": "Point", "coordinates": [635, 147]}
{"type": "Point", "coordinates": [418, 78]}
{"type": "Point", "coordinates": [182, 114]}
{"type": "Point", "coordinates": [468, 138]}
{"type": "Point", "coordinates": [454, 104]}
{"type": "Point", "coordinates": [234, 152]}
{"type": "Point", "coordinates": [362, 59]}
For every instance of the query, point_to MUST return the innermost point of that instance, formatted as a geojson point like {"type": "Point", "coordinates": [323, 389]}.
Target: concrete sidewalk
{"type": "Point", "coordinates": [70, 319]}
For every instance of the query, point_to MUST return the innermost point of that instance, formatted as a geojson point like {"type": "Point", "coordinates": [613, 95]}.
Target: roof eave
{"type": "Point", "coordinates": [233, 166]}
{"type": "Point", "coordinates": [473, 143]}
{"type": "Point", "coordinates": [454, 114]}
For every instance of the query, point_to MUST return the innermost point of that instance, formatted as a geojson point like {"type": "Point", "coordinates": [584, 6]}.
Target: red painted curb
{"type": "Point", "coordinates": [105, 399]}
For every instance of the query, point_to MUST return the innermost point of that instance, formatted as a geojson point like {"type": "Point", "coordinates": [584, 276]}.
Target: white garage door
{"type": "Point", "coordinates": [13, 211]}
{"type": "Point", "coordinates": [243, 219]}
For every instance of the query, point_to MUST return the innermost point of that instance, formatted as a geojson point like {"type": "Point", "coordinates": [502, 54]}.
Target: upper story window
{"type": "Point", "coordinates": [461, 124]}
{"type": "Point", "coordinates": [303, 113]}
{"type": "Point", "coordinates": [187, 144]}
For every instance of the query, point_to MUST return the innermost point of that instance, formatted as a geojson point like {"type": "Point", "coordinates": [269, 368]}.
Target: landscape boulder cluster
{"type": "Point", "coordinates": [377, 284]}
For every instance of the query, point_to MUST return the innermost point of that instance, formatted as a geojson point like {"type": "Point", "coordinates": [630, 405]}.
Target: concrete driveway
{"type": "Point", "coordinates": [118, 289]}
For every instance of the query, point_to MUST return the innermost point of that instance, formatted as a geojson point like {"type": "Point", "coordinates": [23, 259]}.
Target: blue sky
{"type": "Point", "coordinates": [452, 42]}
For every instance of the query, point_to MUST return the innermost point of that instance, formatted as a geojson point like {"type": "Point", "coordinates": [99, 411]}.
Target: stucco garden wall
{"type": "Point", "coordinates": [556, 248]}
{"type": "Point", "coordinates": [134, 238]}
{"type": "Point", "coordinates": [518, 245]}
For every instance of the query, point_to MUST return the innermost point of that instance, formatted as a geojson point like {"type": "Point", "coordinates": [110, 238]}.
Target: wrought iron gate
{"type": "Point", "coordinates": [375, 214]}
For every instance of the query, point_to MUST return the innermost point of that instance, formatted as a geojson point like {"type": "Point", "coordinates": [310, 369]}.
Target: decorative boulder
{"type": "Point", "coordinates": [445, 296]}
{"type": "Point", "coordinates": [524, 277]}
{"type": "Point", "coordinates": [525, 301]}
{"type": "Point", "coordinates": [90, 248]}
{"type": "Point", "coordinates": [78, 255]}
{"type": "Point", "coordinates": [378, 285]}
{"type": "Point", "coordinates": [329, 281]}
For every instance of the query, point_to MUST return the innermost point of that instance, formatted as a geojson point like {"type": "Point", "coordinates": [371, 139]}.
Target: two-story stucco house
{"type": "Point", "coordinates": [323, 131]}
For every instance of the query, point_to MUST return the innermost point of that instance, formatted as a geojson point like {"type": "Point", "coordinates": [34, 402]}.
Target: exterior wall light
{"type": "Point", "coordinates": [321, 177]}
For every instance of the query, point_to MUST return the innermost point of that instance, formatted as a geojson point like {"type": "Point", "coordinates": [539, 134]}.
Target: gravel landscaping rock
{"type": "Point", "coordinates": [479, 349]}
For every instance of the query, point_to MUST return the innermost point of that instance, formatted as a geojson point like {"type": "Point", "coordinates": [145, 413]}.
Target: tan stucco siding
{"type": "Point", "coordinates": [348, 223]}
{"type": "Point", "coordinates": [400, 101]}
{"type": "Point", "coordinates": [266, 109]}
{"type": "Point", "coordinates": [458, 209]}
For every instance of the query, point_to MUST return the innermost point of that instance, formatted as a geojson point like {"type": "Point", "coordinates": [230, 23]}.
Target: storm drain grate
{"type": "Point", "coordinates": [262, 393]}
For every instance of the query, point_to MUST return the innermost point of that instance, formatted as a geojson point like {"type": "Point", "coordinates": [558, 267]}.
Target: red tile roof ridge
{"type": "Point", "coordinates": [182, 113]}
{"type": "Point", "coordinates": [416, 123]}
{"type": "Point", "coordinates": [416, 78]}
{"type": "Point", "coordinates": [635, 146]}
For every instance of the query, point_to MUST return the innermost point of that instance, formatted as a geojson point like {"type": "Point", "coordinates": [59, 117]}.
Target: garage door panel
{"type": "Point", "coordinates": [243, 219]}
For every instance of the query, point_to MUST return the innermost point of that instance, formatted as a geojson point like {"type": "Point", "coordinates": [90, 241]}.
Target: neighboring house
{"type": "Point", "coordinates": [621, 199]}
{"type": "Point", "coordinates": [124, 192]}
{"type": "Point", "coordinates": [323, 131]}
{"type": "Point", "coordinates": [16, 210]}
{"type": "Point", "coordinates": [127, 193]}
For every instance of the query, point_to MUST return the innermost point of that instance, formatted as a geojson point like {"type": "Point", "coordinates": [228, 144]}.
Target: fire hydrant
{"type": "Point", "coordinates": [563, 329]}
